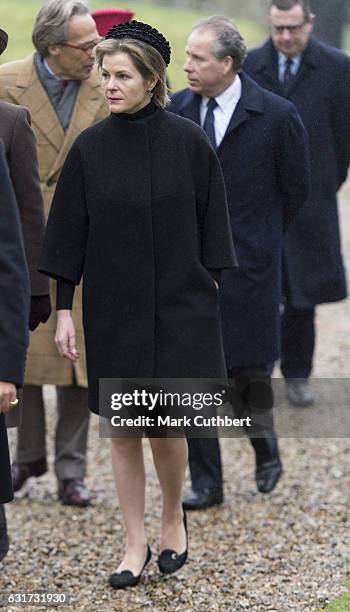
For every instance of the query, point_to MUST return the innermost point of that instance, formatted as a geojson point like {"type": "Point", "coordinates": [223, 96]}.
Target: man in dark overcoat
{"type": "Point", "coordinates": [14, 315]}
{"type": "Point", "coordinates": [262, 147]}
{"type": "Point", "coordinates": [316, 78]}
{"type": "Point", "coordinates": [20, 149]}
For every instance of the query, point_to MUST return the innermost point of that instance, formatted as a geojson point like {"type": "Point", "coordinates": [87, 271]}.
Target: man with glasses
{"type": "Point", "coordinates": [60, 88]}
{"type": "Point", "coordinates": [316, 78]}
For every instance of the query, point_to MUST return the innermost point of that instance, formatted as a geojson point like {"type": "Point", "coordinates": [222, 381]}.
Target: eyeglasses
{"type": "Point", "coordinates": [87, 48]}
{"type": "Point", "coordinates": [292, 29]}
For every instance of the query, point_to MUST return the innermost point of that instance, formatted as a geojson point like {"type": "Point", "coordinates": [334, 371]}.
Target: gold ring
{"type": "Point", "coordinates": [15, 402]}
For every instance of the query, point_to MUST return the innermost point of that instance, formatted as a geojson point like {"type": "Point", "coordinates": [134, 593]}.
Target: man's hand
{"type": "Point", "coordinates": [40, 310]}
{"type": "Point", "coordinates": [8, 396]}
{"type": "Point", "coordinates": [65, 335]}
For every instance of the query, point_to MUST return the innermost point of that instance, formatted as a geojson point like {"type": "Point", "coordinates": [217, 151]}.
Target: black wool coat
{"type": "Point", "coordinates": [264, 158]}
{"type": "Point", "coordinates": [140, 212]}
{"type": "Point", "coordinates": [321, 93]}
{"type": "Point", "coordinates": [14, 308]}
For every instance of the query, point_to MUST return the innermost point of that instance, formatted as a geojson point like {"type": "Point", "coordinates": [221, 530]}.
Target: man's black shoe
{"type": "Point", "coordinates": [199, 500]}
{"type": "Point", "coordinates": [268, 474]}
{"type": "Point", "coordinates": [22, 471]}
{"type": "Point", "coordinates": [299, 392]}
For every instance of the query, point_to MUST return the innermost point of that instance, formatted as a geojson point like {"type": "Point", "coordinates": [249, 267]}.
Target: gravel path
{"type": "Point", "coordinates": [286, 551]}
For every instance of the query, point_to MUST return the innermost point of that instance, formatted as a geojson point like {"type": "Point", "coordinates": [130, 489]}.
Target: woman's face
{"type": "Point", "coordinates": [124, 87]}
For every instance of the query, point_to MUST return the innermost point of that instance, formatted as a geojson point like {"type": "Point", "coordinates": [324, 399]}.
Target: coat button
{"type": "Point", "coordinates": [50, 182]}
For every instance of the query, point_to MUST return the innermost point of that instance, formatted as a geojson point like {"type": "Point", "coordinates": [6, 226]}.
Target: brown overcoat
{"type": "Point", "coordinates": [20, 84]}
{"type": "Point", "coordinates": [20, 149]}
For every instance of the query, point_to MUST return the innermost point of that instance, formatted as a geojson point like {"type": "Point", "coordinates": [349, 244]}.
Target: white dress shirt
{"type": "Point", "coordinates": [226, 104]}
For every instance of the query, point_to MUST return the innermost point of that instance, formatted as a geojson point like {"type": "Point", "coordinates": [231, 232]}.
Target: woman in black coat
{"type": "Point", "coordinates": [14, 318]}
{"type": "Point", "coordinates": [140, 211]}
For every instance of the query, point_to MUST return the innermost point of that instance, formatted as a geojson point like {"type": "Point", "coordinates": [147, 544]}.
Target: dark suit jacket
{"type": "Point", "coordinates": [321, 93]}
{"type": "Point", "coordinates": [20, 148]}
{"type": "Point", "coordinates": [14, 307]}
{"type": "Point", "coordinates": [264, 158]}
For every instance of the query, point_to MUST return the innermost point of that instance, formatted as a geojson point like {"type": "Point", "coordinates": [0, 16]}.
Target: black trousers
{"type": "Point", "coordinates": [6, 492]}
{"type": "Point", "coordinates": [298, 342]}
{"type": "Point", "coordinates": [252, 396]}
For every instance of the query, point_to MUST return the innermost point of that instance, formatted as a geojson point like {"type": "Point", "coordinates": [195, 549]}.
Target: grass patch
{"type": "Point", "coordinates": [17, 18]}
{"type": "Point", "coordinates": [341, 603]}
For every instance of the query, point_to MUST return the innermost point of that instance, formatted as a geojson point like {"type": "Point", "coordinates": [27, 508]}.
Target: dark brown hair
{"type": "Point", "coordinates": [286, 5]}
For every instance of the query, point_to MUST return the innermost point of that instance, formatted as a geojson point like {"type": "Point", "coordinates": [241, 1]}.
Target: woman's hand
{"type": "Point", "coordinates": [8, 396]}
{"type": "Point", "coordinates": [65, 338]}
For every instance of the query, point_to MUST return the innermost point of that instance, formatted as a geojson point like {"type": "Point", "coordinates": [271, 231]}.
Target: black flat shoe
{"type": "Point", "coordinates": [169, 561]}
{"type": "Point", "coordinates": [124, 579]}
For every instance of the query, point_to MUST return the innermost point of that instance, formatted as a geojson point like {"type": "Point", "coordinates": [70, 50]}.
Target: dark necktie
{"type": "Point", "coordinates": [288, 75]}
{"type": "Point", "coordinates": [209, 126]}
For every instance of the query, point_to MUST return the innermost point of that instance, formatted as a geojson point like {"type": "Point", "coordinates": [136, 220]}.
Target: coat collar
{"type": "Point", "coordinates": [267, 63]}
{"type": "Point", "coordinates": [89, 101]}
{"type": "Point", "coordinates": [190, 107]}
{"type": "Point", "coordinates": [251, 100]}
{"type": "Point", "coordinates": [29, 92]}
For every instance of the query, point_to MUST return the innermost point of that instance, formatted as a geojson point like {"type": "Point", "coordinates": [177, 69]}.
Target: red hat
{"type": "Point", "coordinates": [106, 18]}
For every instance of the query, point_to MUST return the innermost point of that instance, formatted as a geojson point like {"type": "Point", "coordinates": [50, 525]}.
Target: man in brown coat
{"type": "Point", "coordinates": [62, 92]}
{"type": "Point", "coordinates": [20, 149]}
{"type": "Point", "coordinates": [14, 304]}
{"type": "Point", "coordinates": [21, 156]}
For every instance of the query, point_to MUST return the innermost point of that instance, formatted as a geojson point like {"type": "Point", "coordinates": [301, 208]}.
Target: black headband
{"type": "Point", "coordinates": [3, 41]}
{"type": "Point", "coordinates": [142, 31]}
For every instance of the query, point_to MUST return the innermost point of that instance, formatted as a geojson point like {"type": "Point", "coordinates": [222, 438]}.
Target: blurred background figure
{"type": "Point", "coordinates": [316, 78]}
{"type": "Point", "coordinates": [14, 316]}
{"type": "Point", "coordinates": [63, 94]}
{"type": "Point", "coordinates": [331, 19]}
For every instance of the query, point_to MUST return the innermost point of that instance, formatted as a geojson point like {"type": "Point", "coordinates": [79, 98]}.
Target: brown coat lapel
{"type": "Point", "coordinates": [88, 104]}
{"type": "Point", "coordinates": [29, 92]}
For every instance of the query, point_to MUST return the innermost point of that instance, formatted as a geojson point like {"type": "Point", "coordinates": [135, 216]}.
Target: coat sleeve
{"type": "Point", "coordinates": [63, 253]}
{"type": "Point", "coordinates": [292, 159]}
{"type": "Point", "coordinates": [23, 166]}
{"type": "Point", "coordinates": [217, 249]}
{"type": "Point", "coordinates": [341, 121]}
{"type": "Point", "coordinates": [14, 284]}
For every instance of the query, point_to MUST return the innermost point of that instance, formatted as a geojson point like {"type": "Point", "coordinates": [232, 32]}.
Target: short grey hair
{"type": "Point", "coordinates": [228, 39]}
{"type": "Point", "coordinates": [52, 22]}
